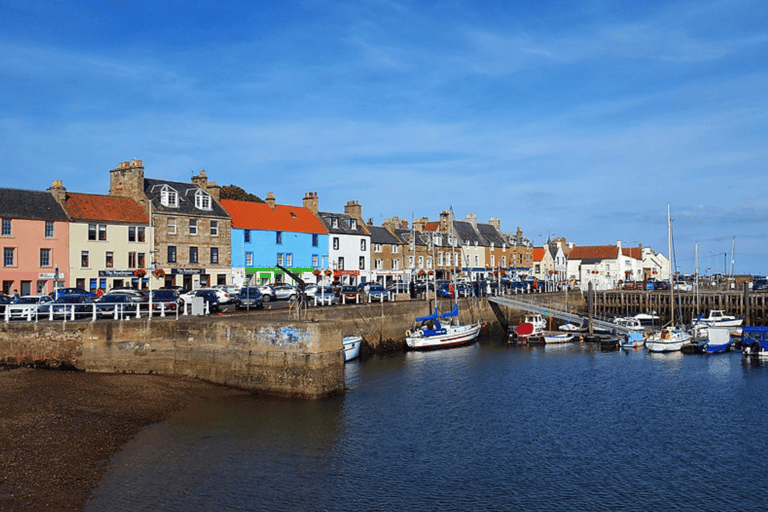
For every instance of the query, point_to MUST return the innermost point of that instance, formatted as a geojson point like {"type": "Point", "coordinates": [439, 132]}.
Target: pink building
{"type": "Point", "coordinates": [34, 238]}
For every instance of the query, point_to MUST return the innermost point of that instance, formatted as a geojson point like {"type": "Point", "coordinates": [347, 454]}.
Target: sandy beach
{"type": "Point", "coordinates": [58, 429]}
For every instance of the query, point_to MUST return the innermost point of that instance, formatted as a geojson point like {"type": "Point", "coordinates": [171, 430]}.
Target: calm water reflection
{"type": "Point", "coordinates": [482, 427]}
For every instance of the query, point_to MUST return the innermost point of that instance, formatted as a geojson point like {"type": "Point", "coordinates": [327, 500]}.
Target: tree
{"type": "Point", "coordinates": [238, 194]}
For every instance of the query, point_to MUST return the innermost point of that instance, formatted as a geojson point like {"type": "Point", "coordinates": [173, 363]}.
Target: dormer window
{"type": "Point", "coordinates": [353, 224]}
{"type": "Point", "coordinates": [169, 197]}
{"type": "Point", "coordinates": [334, 222]}
{"type": "Point", "coordinates": [202, 200]}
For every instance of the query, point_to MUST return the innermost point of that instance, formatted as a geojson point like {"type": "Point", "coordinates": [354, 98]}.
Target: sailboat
{"type": "Point", "coordinates": [669, 339]}
{"type": "Point", "coordinates": [431, 333]}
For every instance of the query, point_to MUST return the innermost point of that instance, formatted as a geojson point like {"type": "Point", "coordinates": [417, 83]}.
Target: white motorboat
{"type": "Point", "coordinates": [352, 347]}
{"type": "Point", "coordinates": [633, 339]}
{"type": "Point", "coordinates": [557, 338]}
{"type": "Point", "coordinates": [718, 318]}
{"type": "Point", "coordinates": [667, 340]}
{"type": "Point", "coordinates": [433, 334]}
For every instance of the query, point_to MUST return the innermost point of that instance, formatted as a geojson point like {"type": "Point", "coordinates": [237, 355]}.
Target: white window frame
{"type": "Point", "coordinates": [169, 197]}
{"type": "Point", "coordinates": [203, 201]}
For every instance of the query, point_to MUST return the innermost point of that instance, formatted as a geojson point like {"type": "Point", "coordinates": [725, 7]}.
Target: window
{"type": "Point", "coordinates": [362, 244]}
{"type": "Point", "coordinates": [131, 233]}
{"type": "Point", "coordinates": [6, 227]}
{"type": "Point", "coordinates": [142, 262]}
{"type": "Point", "coordinates": [84, 259]}
{"type": "Point", "coordinates": [171, 225]}
{"type": "Point", "coordinates": [280, 258]}
{"type": "Point", "coordinates": [215, 255]}
{"type": "Point", "coordinates": [109, 260]}
{"type": "Point", "coordinates": [169, 197]}
{"type": "Point", "coordinates": [429, 261]}
{"type": "Point", "coordinates": [131, 260]}
{"type": "Point", "coordinates": [314, 240]}
{"type": "Point", "coordinates": [421, 261]}
{"type": "Point", "coordinates": [202, 200]}
{"type": "Point", "coordinates": [249, 259]}
{"type": "Point", "coordinates": [289, 260]}
{"type": "Point", "coordinates": [8, 256]}
{"type": "Point", "coordinates": [362, 262]}
{"type": "Point", "coordinates": [341, 263]}
{"type": "Point", "coordinates": [395, 248]}
{"type": "Point", "coordinates": [504, 262]}
{"type": "Point", "coordinates": [395, 264]}
{"type": "Point", "coordinates": [91, 231]}
{"type": "Point", "coordinates": [278, 237]}
{"type": "Point", "coordinates": [376, 247]}
{"type": "Point", "coordinates": [336, 243]}
{"type": "Point", "coordinates": [334, 222]}
{"type": "Point", "coordinates": [315, 260]}
{"type": "Point", "coordinates": [410, 261]}
{"type": "Point", "coordinates": [45, 257]}
{"type": "Point", "coordinates": [477, 260]}
{"type": "Point", "coordinates": [171, 254]}
{"type": "Point", "coordinates": [246, 236]}
{"type": "Point", "coordinates": [193, 254]}
{"type": "Point", "coordinates": [141, 234]}
{"type": "Point", "coordinates": [192, 226]}
{"type": "Point", "coordinates": [214, 228]}
{"type": "Point", "coordinates": [493, 260]}
{"type": "Point", "coordinates": [102, 232]}
{"type": "Point", "coordinates": [440, 259]}
{"type": "Point", "coordinates": [353, 224]}
{"type": "Point", "coordinates": [48, 229]}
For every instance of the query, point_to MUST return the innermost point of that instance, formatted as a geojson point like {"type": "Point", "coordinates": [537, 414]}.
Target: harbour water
{"type": "Point", "coordinates": [484, 427]}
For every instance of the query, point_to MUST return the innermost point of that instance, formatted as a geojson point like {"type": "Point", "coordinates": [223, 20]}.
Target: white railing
{"type": "Point", "coordinates": [113, 310]}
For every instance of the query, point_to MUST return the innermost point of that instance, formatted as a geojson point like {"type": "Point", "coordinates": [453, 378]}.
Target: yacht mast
{"type": "Point", "coordinates": [671, 269]}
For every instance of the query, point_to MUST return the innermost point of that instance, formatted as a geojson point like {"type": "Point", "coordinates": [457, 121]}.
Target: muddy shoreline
{"type": "Point", "coordinates": [59, 429]}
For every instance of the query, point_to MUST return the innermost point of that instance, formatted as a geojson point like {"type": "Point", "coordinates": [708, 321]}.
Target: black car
{"type": "Point", "coordinates": [4, 299]}
{"type": "Point", "coordinates": [64, 306]}
{"type": "Point", "coordinates": [71, 291]}
{"type": "Point", "coordinates": [249, 298]}
{"type": "Point", "coordinates": [210, 297]}
{"type": "Point", "coordinates": [107, 304]}
{"type": "Point", "coordinates": [165, 300]}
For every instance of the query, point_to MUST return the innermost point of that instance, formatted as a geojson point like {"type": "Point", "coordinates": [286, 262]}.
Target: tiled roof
{"type": "Point", "coordinates": [105, 208]}
{"type": "Point", "coordinates": [432, 226]}
{"type": "Point", "coordinates": [466, 232]}
{"type": "Point", "coordinates": [295, 219]}
{"type": "Point", "coordinates": [538, 253]}
{"type": "Point", "coordinates": [594, 252]}
{"type": "Point", "coordinates": [633, 252]}
{"type": "Point", "coordinates": [30, 204]}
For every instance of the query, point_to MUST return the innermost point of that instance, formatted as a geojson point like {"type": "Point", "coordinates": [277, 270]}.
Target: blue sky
{"type": "Point", "coordinates": [581, 119]}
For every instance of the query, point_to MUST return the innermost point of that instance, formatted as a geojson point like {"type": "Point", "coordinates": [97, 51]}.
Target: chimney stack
{"type": "Point", "coordinates": [58, 192]}
{"type": "Point", "coordinates": [270, 200]}
{"type": "Point", "coordinates": [127, 180]}
{"type": "Point", "coordinates": [311, 202]}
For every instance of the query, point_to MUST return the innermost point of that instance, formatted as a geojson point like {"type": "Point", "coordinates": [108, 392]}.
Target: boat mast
{"type": "Point", "coordinates": [671, 269]}
{"type": "Point", "coordinates": [453, 260]}
{"type": "Point", "coordinates": [696, 278]}
{"type": "Point", "coordinates": [733, 247]}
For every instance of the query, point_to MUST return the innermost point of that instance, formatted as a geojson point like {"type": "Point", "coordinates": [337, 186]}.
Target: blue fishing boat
{"type": "Point", "coordinates": [717, 342]}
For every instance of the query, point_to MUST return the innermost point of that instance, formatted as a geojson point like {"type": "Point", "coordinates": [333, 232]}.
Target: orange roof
{"type": "Point", "coordinates": [594, 252]}
{"type": "Point", "coordinates": [633, 252]}
{"type": "Point", "coordinates": [538, 253]}
{"type": "Point", "coordinates": [248, 215]}
{"type": "Point", "coordinates": [432, 226]}
{"type": "Point", "coordinates": [105, 208]}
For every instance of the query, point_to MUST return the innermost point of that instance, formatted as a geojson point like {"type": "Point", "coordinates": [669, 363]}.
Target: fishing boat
{"type": "Point", "coordinates": [718, 341]}
{"type": "Point", "coordinates": [633, 339]}
{"type": "Point", "coordinates": [718, 318]}
{"type": "Point", "coordinates": [638, 321]}
{"type": "Point", "coordinates": [351, 347]}
{"type": "Point", "coordinates": [431, 333]}
{"type": "Point", "coordinates": [754, 341]}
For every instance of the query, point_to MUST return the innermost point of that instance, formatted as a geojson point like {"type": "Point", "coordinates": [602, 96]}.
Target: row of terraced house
{"type": "Point", "coordinates": [160, 233]}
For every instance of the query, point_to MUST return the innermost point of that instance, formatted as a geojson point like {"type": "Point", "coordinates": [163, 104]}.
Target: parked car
{"type": "Point", "coordinates": [209, 295]}
{"type": "Point", "coordinates": [133, 294]}
{"type": "Point", "coordinates": [107, 303]}
{"type": "Point", "coordinates": [760, 284]}
{"type": "Point", "coordinates": [267, 292]}
{"type": "Point", "coordinates": [249, 298]}
{"type": "Point", "coordinates": [71, 291]}
{"type": "Point", "coordinates": [284, 291]}
{"type": "Point", "coordinates": [4, 300]}
{"type": "Point", "coordinates": [399, 287]}
{"type": "Point", "coordinates": [230, 293]}
{"type": "Point", "coordinates": [221, 296]}
{"type": "Point", "coordinates": [348, 293]}
{"type": "Point", "coordinates": [26, 305]}
{"type": "Point", "coordinates": [376, 293]}
{"type": "Point", "coordinates": [64, 304]}
{"type": "Point", "coordinates": [164, 300]}
{"type": "Point", "coordinates": [325, 295]}
{"type": "Point", "coordinates": [464, 289]}
{"type": "Point", "coordinates": [682, 286]}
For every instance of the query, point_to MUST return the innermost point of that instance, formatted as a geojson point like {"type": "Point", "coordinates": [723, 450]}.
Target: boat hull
{"type": "Point", "coordinates": [453, 336]}
{"type": "Point", "coordinates": [557, 338]}
{"type": "Point", "coordinates": [352, 347]}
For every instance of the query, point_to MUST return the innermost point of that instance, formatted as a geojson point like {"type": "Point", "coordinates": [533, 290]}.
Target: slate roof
{"type": "Point", "coordinates": [466, 232]}
{"type": "Point", "coordinates": [407, 234]}
{"type": "Point", "coordinates": [259, 216]}
{"type": "Point", "coordinates": [85, 207]}
{"type": "Point", "coordinates": [30, 205]}
{"type": "Point", "coordinates": [491, 235]}
{"type": "Point", "coordinates": [186, 191]}
{"type": "Point", "coordinates": [344, 227]}
{"type": "Point", "coordinates": [381, 235]}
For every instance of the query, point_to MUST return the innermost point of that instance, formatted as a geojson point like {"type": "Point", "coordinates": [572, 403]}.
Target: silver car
{"type": "Point", "coordinates": [27, 306]}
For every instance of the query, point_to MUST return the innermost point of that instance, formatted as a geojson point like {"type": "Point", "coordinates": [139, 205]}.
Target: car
{"type": "Point", "coordinates": [249, 298]}
{"type": "Point", "coordinates": [209, 295]}
{"type": "Point", "coordinates": [398, 287]}
{"type": "Point", "coordinates": [323, 295]}
{"type": "Point", "coordinates": [5, 300]}
{"type": "Point", "coordinates": [230, 293]}
{"type": "Point", "coordinates": [26, 306]}
{"type": "Point", "coordinates": [107, 303]}
{"type": "Point", "coordinates": [221, 295]}
{"type": "Point", "coordinates": [464, 289]}
{"type": "Point", "coordinates": [682, 286]}
{"type": "Point", "coordinates": [267, 292]}
{"type": "Point", "coordinates": [376, 293]}
{"type": "Point", "coordinates": [64, 305]}
{"type": "Point", "coordinates": [71, 291]}
{"type": "Point", "coordinates": [164, 300]}
{"type": "Point", "coordinates": [284, 291]}
{"type": "Point", "coordinates": [348, 293]}
{"type": "Point", "coordinates": [133, 294]}
{"type": "Point", "coordinates": [760, 284]}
